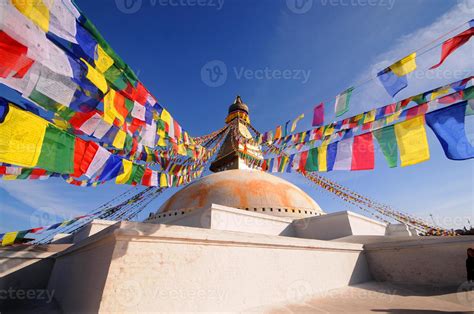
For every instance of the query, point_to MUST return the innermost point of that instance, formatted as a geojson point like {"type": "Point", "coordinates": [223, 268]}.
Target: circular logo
{"type": "Point", "coordinates": [466, 6]}
{"type": "Point", "coordinates": [465, 294]}
{"type": "Point", "coordinates": [299, 6]}
{"type": "Point", "coordinates": [298, 291]}
{"type": "Point", "coordinates": [129, 294]}
{"type": "Point", "coordinates": [43, 219]}
{"type": "Point", "coordinates": [128, 6]}
{"type": "Point", "coordinates": [214, 73]}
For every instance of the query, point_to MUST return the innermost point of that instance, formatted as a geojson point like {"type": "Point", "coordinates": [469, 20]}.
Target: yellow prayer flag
{"type": "Point", "coordinates": [119, 140]}
{"type": "Point", "coordinates": [163, 180]}
{"type": "Point", "coordinates": [166, 117]}
{"type": "Point", "coordinates": [295, 122]}
{"type": "Point", "coordinates": [393, 117]}
{"type": "Point", "coordinates": [127, 172]}
{"type": "Point", "coordinates": [9, 177]}
{"type": "Point", "coordinates": [412, 141]}
{"type": "Point", "coordinates": [161, 140]}
{"type": "Point", "coordinates": [438, 93]}
{"type": "Point", "coordinates": [96, 77]}
{"type": "Point", "coordinates": [35, 10]}
{"type": "Point", "coordinates": [182, 150]}
{"type": "Point", "coordinates": [109, 108]}
{"type": "Point", "coordinates": [21, 137]}
{"type": "Point", "coordinates": [278, 132]}
{"type": "Point", "coordinates": [329, 130]}
{"type": "Point", "coordinates": [322, 158]}
{"type": "Point", "coordinates": [405, 65]}
{"type": "Point", "coordinates": [369, 116]}
{"type": "Point", "coordinates": [104, 61]}
{"type": "Point", "coordinates": [9, 238]}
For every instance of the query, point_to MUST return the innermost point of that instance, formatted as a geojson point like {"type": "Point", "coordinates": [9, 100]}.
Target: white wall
{"type": "Point", "coordinates": [171, 268]}
{"type": "Point", "coordinates": [337, 225]}
{"type": "Point", "coordinates": [423, 260]}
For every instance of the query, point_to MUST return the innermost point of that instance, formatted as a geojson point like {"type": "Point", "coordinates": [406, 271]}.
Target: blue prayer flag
{"type": "Point", "coordinates": [448, 126]}
{"type": "Point", "coordinates": [392, 82]}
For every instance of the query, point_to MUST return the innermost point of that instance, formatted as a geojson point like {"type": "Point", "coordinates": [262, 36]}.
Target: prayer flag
{"type": "Point", "coordinates": [57, 151]}
{"type": "Point", "coordinates": [344, 155]}
{"type": "Point", "coordinates": [391, 82]}
{"type": "Point", "coordinates": [405, 65]}
{"type": "Point", "coordinates": [318, 115]}
{"type": "Point", "coordinates": [21, 137]}
{"type": "Point", "coordinates": [295, 122]}
{"type": "Point", "coordinates": [312, 160]}
{"type": "Point", "coordinates": [412, 141]}
{"type": "Point", "coordinates": [35, 10]}
{"type": "Point", "coordinates": [448, 126]}
{"type": "Point", "coordinates": [127, 172]}
{"type": "Point", "coordinates": [9, 238]}
{"type": "Point", "coordinates": [450, 45]}
{"type": "Point", "coordinates": [342, 102]}
{"type": "Point", "coordinates": [363, 152]}
{"type": "Point", "coordinates": [278, 133]}
{"type": "Point", "coordinates": [388, 144]}
{"type": "Point", "coordinates": [111, 168]}
{"type": "Point", "coordinates": [322, 158]}
{"type": "Point", "coordinates": [96, 77]}
{"type": "Point", "coordinates": [331, 156]}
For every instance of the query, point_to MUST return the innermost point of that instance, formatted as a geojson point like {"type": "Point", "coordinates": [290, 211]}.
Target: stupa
{"type": "Point", "coordinates": [240, 240]}
{"type": "Point", "coordinates": [234, 184]}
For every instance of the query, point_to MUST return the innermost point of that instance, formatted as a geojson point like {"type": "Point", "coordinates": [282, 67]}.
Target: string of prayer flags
{"type": "Point", "coordinates": [342, 102]}
{"type": "Point", "coordinates": [318, 115]}
{"type": "Point", "coordinates": [412, 141]}
{"type": "Point", "coordinates": [453, 43]}
{"type": "Point", "coordinates": [449, 127]}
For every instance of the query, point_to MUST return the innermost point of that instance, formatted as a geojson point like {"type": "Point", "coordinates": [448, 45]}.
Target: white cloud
{"type": "Point", "coordinates": [44, 197]}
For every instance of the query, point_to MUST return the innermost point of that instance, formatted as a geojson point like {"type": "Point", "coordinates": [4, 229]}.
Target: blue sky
{"type": "Point", "coordinates": [334, 43]}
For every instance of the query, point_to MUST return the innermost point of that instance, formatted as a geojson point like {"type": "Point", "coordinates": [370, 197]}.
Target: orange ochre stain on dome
{"type": "Point", "coordinates": [237, 192]}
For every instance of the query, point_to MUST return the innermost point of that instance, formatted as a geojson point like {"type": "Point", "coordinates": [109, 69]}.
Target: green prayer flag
{"type": "Point", "coordinates": [312, 160]}
{"type": "Point", "coordinates": [342, 102]}
{"type": "Point", "coordinates": [57, 152]}
{"type": "Point", "coordinates": [388, 143]}
{"type": "Point", "coordinates": [139, 172]}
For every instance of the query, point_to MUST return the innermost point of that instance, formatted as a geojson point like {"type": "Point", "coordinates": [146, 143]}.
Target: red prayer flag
{"type": "Point", "coordinates": [363, 152]}
{"type": "Point", "coordinates": [146, 179]}
{"type": "Point", "coordinates": [13, 57]}
{"type": "Point", "coordinates": [80, 147]}
{"type": "Point", "coordinates": [450, 45]}
{"type": "Point", "coordinates": [318, 115]}
{"type": "Point", "coordinates": [89, 155]}
{"type": "Point", "coordinates": [303, 158]}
